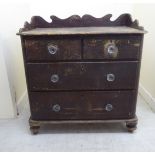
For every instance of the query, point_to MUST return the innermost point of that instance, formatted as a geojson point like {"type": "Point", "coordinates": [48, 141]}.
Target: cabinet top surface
{"type": "Point", "coordinates": [82, 31]}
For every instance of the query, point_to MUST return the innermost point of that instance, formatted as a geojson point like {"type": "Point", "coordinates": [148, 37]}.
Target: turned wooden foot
{"type": "Point", "coordinates": [131, 126]}
{"type": "Point", "coordinates": [34, 129]}
{"type": "Point", "coordinates": [34, 126]}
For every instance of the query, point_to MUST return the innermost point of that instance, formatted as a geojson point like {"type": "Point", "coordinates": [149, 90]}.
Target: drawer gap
{"type": "Point", "coordinates": [83, 60]}
{"type": "Point", "coordinates": [84, 90]}
{"type": "Point", "coordinates": [82, 43]}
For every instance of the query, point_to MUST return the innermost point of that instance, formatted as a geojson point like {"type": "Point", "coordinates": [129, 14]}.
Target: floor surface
{"type": "Point", "coordinates": [15, 135]}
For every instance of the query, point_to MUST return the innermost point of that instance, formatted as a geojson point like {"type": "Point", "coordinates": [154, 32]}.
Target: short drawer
{"type": "Point", "coordinates": [47, 48]}
{"type": "Point", "coordinates": [113, 47]}
{"type": "Point", "coordinates": [82, 76]}
{"type": "Point", "coordinates": [82, 105]}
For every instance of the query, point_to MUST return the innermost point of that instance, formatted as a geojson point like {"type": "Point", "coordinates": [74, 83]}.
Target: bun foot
{"type": "Point", "coordinates": [34, 129]}
{"type": "Point", "coordinates": [131, 126]}
{"type": "Point", "coordinates": [34, 126]}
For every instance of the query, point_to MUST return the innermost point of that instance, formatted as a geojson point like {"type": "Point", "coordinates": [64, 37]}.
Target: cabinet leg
{"type": "Point", "coordinates": [34, 129]}
{"type": "Point", "coordinates": [131, 125]}
{"type": "Point", "coordinates": [34, 126]}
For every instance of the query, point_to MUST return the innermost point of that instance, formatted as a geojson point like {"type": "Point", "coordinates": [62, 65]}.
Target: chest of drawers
{"type": "Point", "coordinates": [82, 69]}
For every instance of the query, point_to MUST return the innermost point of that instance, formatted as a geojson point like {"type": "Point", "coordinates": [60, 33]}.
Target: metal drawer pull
{"type": "Point", "coordinates": [52, 49]}
{"type": "Point", "coordinates": [109, 107]}
{"type": "Point", "coordinates": [54, 78]}
{"type": "Point", "coordinates": [111, 50]}
{"type": "Point", "coordinates": [56, 108]}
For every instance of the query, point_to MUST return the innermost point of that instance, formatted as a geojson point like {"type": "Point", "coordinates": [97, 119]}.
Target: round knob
{"type": "Point", "coordinates": [108, 107]}
{"type": "Point", "coordinates": [52, 49]}
{"type": "Point", "coordinates": [111, 50]}
{"type": "Point", "coordinates": [56, 108]}
{"type": "Point", "coordinates": [54, 78]}
{"type": "Point", "coordinates": [110, 77]}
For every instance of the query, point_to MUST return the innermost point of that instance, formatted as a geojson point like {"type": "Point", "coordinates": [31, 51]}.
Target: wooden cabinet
{"type": "Point", "coordinates": [82, 69]}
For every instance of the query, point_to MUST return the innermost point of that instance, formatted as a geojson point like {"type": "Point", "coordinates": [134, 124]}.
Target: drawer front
{"type": "Point", "coordinates": [46, 48]}
{"type": "Point", "coordinates": [82, 76]}
{"type": "Point", "coordinates": [113, 47]}
{"type": "Point", "coordinates": [82, 105]}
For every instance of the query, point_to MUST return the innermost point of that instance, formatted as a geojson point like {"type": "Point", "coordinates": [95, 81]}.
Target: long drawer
{"type": "Point", "coordinates": [82, 105]}
{"type": "Point", "coordinates": [82, 76]}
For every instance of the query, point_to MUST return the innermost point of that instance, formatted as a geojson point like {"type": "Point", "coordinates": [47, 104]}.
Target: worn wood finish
{"type": "Point", "coordinates": [96, 69]}
{"type": "Point", "coordinates": [83, 105]}
{"type": "Point", "coordinates": [82, 30]}
{"type": "Point", "coordinates": [93, 47]}
{"type": "Point", "coordinates": [37, 48]}
{"type": "Point", "coordinates": [129, 47]}
{"type": "Point", "coordinates": [82, 76]}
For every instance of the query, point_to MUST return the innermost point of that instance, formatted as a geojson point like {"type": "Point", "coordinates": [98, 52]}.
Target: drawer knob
{"type": "Point", "coordinates": [108, 107]}
{"type": "Point", "coordinates": [111, 50]}
{"type": "Point", "coordinates": [54, 78]}
{"type": "Point", "coordinates": [56, 108]}
{"type": "Point", "coordinates": [52, 49]}
{"type": "Point", "coordinates": [110, 77]}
